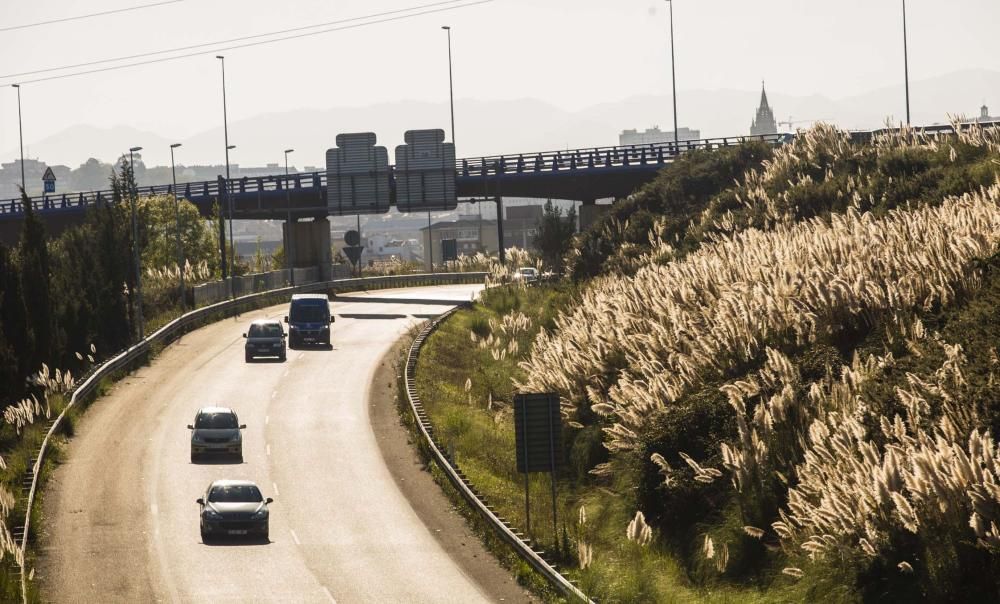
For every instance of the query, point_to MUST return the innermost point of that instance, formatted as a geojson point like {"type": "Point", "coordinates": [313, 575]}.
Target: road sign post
{"type": "Point", "coordinates": [538, 438]}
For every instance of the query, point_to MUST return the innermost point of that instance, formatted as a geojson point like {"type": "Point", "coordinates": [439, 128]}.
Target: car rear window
{"type": "Point", "coordinates": [215, 421]}
{"type": "Point", "coordinates": [265, 330]}
{"type": "Point", "coordinates": [235, 493]}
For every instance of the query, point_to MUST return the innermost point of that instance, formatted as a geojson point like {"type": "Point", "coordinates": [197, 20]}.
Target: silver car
{"type": "Point", "coordinates": [233, 508]}
{"type": "Point", "coordinates": [216, 431]}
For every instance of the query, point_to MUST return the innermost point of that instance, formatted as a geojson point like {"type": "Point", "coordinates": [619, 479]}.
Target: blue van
{"type": "Point", "coordinates": [309, 320]}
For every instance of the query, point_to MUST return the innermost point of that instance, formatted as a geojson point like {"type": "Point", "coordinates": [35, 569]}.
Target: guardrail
{"type": "Point", "coordinates": [183, 324]}
{"type": "Point", "coordinates": [500, 525]}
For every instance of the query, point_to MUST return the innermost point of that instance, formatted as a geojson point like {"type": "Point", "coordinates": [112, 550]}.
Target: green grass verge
{"type": "Point", "coordinates": [481, 439]}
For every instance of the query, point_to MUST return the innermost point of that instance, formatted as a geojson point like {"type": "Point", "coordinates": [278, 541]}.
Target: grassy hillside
{"type": "Point", "coordinates": [787, 388]}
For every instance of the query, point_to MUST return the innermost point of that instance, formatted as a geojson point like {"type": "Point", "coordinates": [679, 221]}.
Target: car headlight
{"type": "Point", "coordinates": [212, 515]}
{"type": "Point", "coordinates": [261, 515]}
{"type": "Point", "coordinates": [293, 328]}
{"type": "Point", "coordinates": [236, 437]}
{"type": "Point", "coordinates": [195, 438]}
{"type": "Point", "coordinates": [326, 328]}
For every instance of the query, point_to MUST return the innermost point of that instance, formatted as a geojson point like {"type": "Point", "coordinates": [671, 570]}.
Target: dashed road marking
{"type": "Point", "coordinates": [286, 373]}
{"type": "Point", "coordinates": [267, 419]}
{"type": "Point", "coordinates": [295, 537]}
{"type": "Point", "coordinates": [275, 485]}
{"type": "Point", "coordinates": [328, 594]}
{"type": "Point", "coordinates": [154, 509]}
{"type": "Point", "coordinates": [269, 450]}
{"type": "Point", "coordinates": [274, 394]}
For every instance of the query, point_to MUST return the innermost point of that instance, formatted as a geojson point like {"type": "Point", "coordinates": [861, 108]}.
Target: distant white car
{"type": "Point", "coordinates": [528, 274]}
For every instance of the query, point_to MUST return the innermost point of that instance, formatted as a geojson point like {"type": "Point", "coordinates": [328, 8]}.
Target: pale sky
{"type": "Point", "coordinates": [568, 53]}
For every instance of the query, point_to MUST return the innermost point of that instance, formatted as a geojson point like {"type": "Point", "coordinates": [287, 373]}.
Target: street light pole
{"type": "Point", "coordinates": [451, 85]}
{"type": "Point", "coordinates": [229, 199]}
{"type": "Point", "coordinates": [20, 134]}
{"type": "Point", "coordinates": [673, 77]}
{"type": "Point", "coordinates": [232, 245]}
{"type": "Point", "coordinates": [135, 240]}
{"type": "Point", "coordinates": [288, 223]}
{"type": "Point", "coordinates": [906, 66]}
{"type": "Point", "coordinates": [177, 226]}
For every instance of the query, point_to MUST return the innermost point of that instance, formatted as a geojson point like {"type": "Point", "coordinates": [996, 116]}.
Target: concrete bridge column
{"type": "Point", "coordinates": [590, 212]}
{"type": "Point", "coordinates": [309, 245]}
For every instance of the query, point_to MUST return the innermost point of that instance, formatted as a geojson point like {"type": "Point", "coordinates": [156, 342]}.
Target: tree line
{"type": "Point", "coordinates": [77, 292]}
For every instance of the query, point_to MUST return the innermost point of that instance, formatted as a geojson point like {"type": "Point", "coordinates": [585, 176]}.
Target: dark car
{"type": "Point", "coordinates": [233, 508]}
{"type": "Point", "coordinates": [309, 320]}
{"type": "Point", "coordinates": [216, 431]}
{"type": "Point", "coordinates": [265, 338]}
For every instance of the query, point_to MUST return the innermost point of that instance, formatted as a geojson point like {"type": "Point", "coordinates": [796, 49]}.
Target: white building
{"type": "Point", "coordinates": [655, 135]}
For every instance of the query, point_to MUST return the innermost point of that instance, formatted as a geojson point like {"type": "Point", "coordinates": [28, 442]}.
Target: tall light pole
{"type": "Point", "coordinates": [673, 77]}
{"type": "Point", "coordinates": [177, 226]}
{"type": "Point", "coordinates": [288, 222]}
{"type": "Point", "coordinates": [451, 101]}
{"type": "Point", "coordinates": [20, 134]}
{"type": "Point", "coordinates": [232, 246]}
{"type": "Point", "coordinates": [135, 240]}
{"type": "Point", "coordinates": [906, 66]}
{"type": "Point", "coordinates": [225, 130]}
{"type": "Point", "coordinates": [451, 85]}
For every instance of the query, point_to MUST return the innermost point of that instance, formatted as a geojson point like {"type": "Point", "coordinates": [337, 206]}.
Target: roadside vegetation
{"type": "Point", "coordinates": [780, 385]}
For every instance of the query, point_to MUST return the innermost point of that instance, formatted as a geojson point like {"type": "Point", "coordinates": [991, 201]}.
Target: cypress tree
{"type": "Point", "coordinates": [33, 254]}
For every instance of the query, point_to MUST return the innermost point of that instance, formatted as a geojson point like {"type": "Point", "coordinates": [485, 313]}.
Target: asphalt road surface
{"type": "Point", "coordinates": [121, 518]}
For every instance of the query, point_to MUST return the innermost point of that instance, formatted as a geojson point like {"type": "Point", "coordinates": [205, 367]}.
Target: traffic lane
{"type": "Point", "coordinates": [155, 553]}
{"type": "Point", "coordinates": [356, 528]}
{"type": "Point", "coordinates": [194, 570]}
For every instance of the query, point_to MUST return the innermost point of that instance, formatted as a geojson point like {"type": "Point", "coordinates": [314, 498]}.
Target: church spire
{"type": "Point", "coordinates": [764, 122]}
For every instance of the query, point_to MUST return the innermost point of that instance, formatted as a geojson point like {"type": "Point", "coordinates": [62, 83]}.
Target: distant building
{"type": "Point", "coordinates": [654, 135]}
{"type": "Point", "coordinates": [471, 236]}
{"type": "Point", "coordinates": [764, 122]}
{"type": "Point", "coordinates": [984, 115]}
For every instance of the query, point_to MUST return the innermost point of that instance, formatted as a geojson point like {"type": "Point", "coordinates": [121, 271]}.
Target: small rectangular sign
{"type": "Point", "coordinates": [538, 432]}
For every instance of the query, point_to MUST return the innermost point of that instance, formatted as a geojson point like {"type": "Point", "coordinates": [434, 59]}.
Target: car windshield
{"type": "Point", "coordinates": [215, 421]}
{"type": "Point", "coordinates": [265, 330]}
{"type": "Point", "coordinates": [309, 313]}
{"type": "Point", "coordinates": [235, 493]}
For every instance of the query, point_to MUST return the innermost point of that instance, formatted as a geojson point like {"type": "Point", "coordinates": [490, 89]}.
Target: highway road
{"type": "Point", "coordinates": [121, 519]}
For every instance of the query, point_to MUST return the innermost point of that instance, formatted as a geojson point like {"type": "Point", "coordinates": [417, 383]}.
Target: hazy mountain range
{"type": "Point", "coordinates": [525, 125]}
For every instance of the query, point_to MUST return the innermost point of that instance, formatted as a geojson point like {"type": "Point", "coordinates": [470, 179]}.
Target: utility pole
{"type": "Point", "coordinates": [135, 240]}
{"type": "Point", "coordinates": [906, 66]}
{"type": "Point", "coordinates": [20, 134]}
{"type": "Point", "coordinates": [430, 241]}
{"type": "Point", "coordinates": [288, 222]}
{"type": "Point", "coordinates": [177, 226]}
{"type": "Point", "coordinates": [673, 77]}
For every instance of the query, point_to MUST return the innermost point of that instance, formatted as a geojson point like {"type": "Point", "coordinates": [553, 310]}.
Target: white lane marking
{"type": "Point", "coordinates": [302, 354]}
{"type": "Point", "coordinates": [328, 594]}
{"type": "Point", "coordinates": [275, 485]}
{"type": "Point", "coordinates": [269, 450]}
{"type": "Point", "coordinates": [267, 419]}
{"type": "Point", "coordinates": [154, 509]}
{"type": "Point", "coordinates": [286, 373]}
{"type": "Point", "coordinates": [274, 394]}
{"type": "Point", "coordinates": [295, 537]}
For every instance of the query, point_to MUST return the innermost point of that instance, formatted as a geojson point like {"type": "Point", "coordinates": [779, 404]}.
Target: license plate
{"type": "Point", "coordinates": [237, 532]}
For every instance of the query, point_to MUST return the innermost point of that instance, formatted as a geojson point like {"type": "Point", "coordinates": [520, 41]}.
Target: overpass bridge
{"type": "Point", "coordinates": [581, 174]}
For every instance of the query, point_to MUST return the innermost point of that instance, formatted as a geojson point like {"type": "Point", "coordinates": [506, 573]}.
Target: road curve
{"type": "Point", "coordinates": [121, 521]}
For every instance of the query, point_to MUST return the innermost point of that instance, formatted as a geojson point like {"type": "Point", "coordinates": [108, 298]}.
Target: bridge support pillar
{"type": "Point", "coordinates": [307, 244]}
{"type": "Point", "coordinates": [590, 212]}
